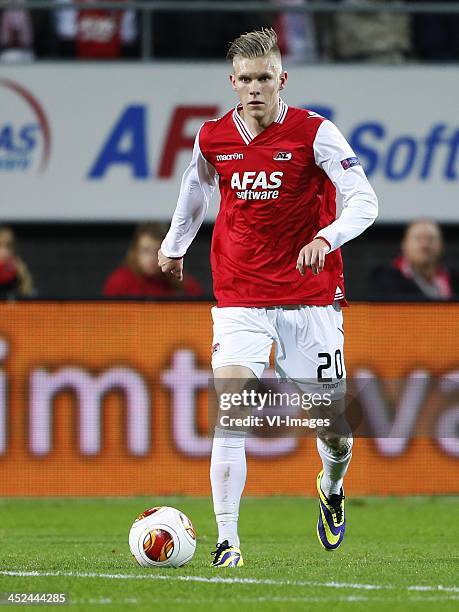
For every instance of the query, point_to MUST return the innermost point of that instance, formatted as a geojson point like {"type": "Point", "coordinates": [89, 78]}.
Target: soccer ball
{"type": "Point", "coordinates": [162, 537]}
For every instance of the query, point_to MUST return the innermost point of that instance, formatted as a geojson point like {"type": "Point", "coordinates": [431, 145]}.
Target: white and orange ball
{"type": "Point", "coordinates": [162, 537]}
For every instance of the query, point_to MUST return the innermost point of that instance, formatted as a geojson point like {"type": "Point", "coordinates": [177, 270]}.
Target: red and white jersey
{"type": "Point", "coordinates": [279, 190]}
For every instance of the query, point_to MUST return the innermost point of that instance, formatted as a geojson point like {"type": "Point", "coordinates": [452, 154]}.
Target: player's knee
{"type": "Point", "coordinates": [338, 447]}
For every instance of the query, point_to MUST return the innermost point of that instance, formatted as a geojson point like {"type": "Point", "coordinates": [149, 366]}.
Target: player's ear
{"type": "Point", "coordinates": [283, 80]}
{"type": "Point", "coordinates": [232, 79]}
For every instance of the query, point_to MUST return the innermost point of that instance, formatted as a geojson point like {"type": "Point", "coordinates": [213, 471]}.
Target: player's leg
{"type": "Point", "coordinates": [336, 454]}
{"type": "Point", "coordinates": [335, 450]}
{"type": "Point", "coordinates": [312, 340]}
{"type": "Point", "coordinates": [228, 469]}
{"type": "Point", "coordinates": [335, 443]}
{"type": "Point", "coordinates": [241, 348]}
{"type": "Point", "coordinates": [228, 464]}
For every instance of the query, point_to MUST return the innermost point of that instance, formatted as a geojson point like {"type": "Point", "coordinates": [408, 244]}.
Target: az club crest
{"type": "Point", "coordinates": [282, 156]}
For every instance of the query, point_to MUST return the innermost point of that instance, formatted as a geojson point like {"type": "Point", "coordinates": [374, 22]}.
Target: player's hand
{"type": "Point", "coordinates": [312, 256]}
{"type": "Point", "coordinates": [174, 267]}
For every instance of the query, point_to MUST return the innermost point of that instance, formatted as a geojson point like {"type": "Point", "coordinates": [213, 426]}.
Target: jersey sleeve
{"type": "Point", "coordinates": [198, 183]}
{"type": "Point", "coordinates": [359, 203]}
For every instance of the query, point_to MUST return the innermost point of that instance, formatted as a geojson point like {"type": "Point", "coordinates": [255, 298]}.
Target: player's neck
{"type": "Point", "coordinates": [257, 124]}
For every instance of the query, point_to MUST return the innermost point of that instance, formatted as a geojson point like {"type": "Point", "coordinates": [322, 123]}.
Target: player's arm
{"type": "Point", "coordinates": [359, 202]}
{"type": "Point", "coordinates": [198, 183]}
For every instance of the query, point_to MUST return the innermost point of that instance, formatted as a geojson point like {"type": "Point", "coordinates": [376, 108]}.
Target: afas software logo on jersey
{"type": "Point", "coordinates": [251, 185]}
{"type": "Point", "coordinates": [25, 135]}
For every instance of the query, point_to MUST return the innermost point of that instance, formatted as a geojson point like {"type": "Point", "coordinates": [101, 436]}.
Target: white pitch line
{"type": "Point", "coordinates": [257, 600]}
{"type": "Point", "coordinates": [220, 580]}
{"type": "Point", "coordinates": [180, 600]}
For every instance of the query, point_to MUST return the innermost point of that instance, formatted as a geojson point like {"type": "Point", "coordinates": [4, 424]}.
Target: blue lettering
{"type": "Point", "coordinates": [131, 125]}
{"type": "Point", "coordinates": [394, 169]}
{"type": "Point", "coordinates": [28, 137]}
{"type": "Point", "coordinates": [25, 136]}
{"type": "Point", "coordinates": [367, 155]}
{"type": "Point", "coordinates": [7, 138]}
{"type": "Point", "coordinates": [450, 172]}
{"type": "Point", "coordinates": [432, 142]}
{"type": "Point", "coordinates": [398, 159]}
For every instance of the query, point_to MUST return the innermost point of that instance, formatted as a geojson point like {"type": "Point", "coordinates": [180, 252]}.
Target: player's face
{"type": "Point", "coordinates": [423, 244]}
{"type": "Point", "coordinates": [258, 82]}
{"type": "Point", "coordinates": [147, 255]}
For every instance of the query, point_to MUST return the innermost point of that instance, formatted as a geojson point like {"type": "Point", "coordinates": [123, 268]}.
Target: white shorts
{"type": "Point", "coordinates": [308, 341]}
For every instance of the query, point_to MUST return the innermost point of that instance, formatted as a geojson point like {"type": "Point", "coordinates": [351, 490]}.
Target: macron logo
{"type": "Point", "coordinates": [282, 156]}
{"type": "Point", "coordinates": [230, 156]}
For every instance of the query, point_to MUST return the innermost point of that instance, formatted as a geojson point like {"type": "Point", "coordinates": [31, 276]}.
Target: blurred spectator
{"type": "Point", "coordinates": [436, 37]}
{"type": "Point", "coordinates": [417, 272]}
{"type": "Point", "coordinates": [16, 35]}
{"type": "Point", "coordinates": [97, 34]}
{"type": "Point", "coordinates": [296, 34]}
{"type": "Point", "coordinates": [140, 275]}
{"type": "Point", "coordinates": [15, 278]}
{"type": "Point", "coordinates": [375, 37]}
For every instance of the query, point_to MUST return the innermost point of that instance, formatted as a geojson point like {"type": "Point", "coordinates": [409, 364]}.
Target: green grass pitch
{"type": "Point", "coordinates": [398, 554]}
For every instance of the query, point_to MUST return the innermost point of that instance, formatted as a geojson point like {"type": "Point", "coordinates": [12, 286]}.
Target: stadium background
{"type": "Point", "coordinates": [86, 403]}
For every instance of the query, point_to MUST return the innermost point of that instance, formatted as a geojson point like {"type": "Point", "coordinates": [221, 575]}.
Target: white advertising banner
{"type": "Point", "coordinates": [110, 142]}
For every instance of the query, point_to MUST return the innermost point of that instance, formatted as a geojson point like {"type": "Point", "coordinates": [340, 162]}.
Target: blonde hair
{"type": "Point", "coordinates": [257, 43]}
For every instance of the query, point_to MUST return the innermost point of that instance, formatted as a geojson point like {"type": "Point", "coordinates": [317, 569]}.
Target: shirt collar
{"type": "Point", "coordinates": [244, 130]}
